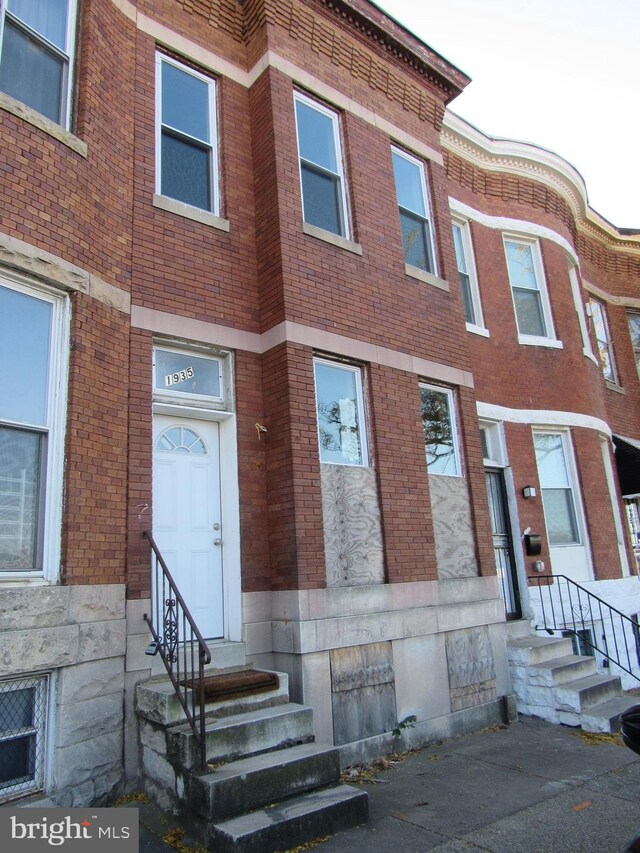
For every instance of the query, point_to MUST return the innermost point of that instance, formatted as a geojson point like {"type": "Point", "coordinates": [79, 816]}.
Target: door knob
{"type": "Point", "coordinates": [217, 541]}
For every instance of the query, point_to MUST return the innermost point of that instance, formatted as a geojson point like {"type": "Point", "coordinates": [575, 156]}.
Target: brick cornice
{"type": "Point", "coordinates": [376, 26]}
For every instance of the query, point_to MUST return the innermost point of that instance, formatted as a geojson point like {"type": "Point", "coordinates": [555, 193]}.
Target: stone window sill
{"type": "Point", "coordinates": [329, 237]}
{"type": "Point", "coordinates": [193, 213]}
{"type": "Point", "coordinates": [426, 277]}
{"type": "Point", "coordinates": [33, 117]}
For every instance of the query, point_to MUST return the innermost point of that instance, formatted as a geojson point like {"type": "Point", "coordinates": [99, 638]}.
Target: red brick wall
{"type": "Point", "coordinates": [253, 449]}
{"type": "Point", "coordinates": [94, 532]}
{"type": "Point", "coordinates": [400, 463]}
{"type": "Point", "coordinates": [98, 213]}
{"type": "Point", "coordinates": [293, 470]}
{"type": "Point", "coordinates": [79, 208]}
{"type": "Point", "coordinates": [140, 506]}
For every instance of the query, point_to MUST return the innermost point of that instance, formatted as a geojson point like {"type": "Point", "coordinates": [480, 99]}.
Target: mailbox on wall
{"type": "Point", "coordinates": [533, 544]}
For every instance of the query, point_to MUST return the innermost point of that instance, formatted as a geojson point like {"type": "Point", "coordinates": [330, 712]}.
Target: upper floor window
{"type": "Point", "coordinates": [415, 217]}
{"type": "Point", "coordinates": [37, 54]}
{"type": "Point", "coordinates": [186, 162]}
{"type": "Point", "coordinates": [340, 410]}
{"type": "Point", "coordinates": [31, 353]}
{"type": "Point", "coordinates": [529, 291]}
{"type": "Point", "coordinates": [634, 330]}
{"type": "Point", "coordinates": [324, 202]}
{"type": "Point", "coordinates": [467, 275]}
{"type": "Point", "coordinates": [603, 340]}
{"type": "Point", "coordinates": [440, 432]}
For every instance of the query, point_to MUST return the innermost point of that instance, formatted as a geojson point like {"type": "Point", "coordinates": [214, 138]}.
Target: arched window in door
{"type": "Point", "coordinates": [179, 439]}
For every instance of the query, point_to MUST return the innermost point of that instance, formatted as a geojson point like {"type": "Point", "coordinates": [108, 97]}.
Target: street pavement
{"type": "Point", "coordinates": [531, 787]}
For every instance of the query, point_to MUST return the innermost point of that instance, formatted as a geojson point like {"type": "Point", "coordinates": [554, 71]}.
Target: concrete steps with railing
{"type": "Point", "coordinates": [551, 682]}
{"type": "Point", "coordinates": [268, 785]}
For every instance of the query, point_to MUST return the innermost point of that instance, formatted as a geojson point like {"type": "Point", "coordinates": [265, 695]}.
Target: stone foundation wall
{"type": "Point", "coordinates": [435, 650]}
{"type": "Point", "coordinates": [76, 635]}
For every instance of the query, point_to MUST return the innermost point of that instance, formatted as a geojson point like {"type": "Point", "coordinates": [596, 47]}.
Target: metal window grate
{"type": "Point", "coordinates": [23, 705]}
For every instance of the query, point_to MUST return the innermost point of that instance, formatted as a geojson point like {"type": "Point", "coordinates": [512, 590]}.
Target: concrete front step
{"type": "Point", "coordinates": [242, 735]}
{"type": "Point", "coordinates": [605, 716]}
{"type": "Point", "coordinates": [251, 783]}
{"type": "Point", "coordinates": [562, 669]}
{"type": "Point", "coordinates": [535, 650]}
{"type": "Point", "coordinates": [583, 693]}
{"type": "Point", "coordinates": [290, 823]}
{"type": "Point", "coordinates": [226, 655]}
{"type": "Point", "coordinates": [518, 629]}
{"type": "Point", "coordinates": [157, 700]}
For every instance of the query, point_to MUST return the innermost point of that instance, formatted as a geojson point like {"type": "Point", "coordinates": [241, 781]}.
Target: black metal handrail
{"type": "Point", "coordinates": [180, 643]}
{"type": "Point", "coordinates": [567, 606]}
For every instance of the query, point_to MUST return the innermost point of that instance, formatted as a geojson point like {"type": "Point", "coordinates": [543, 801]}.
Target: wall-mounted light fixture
{"type": "Point", "coordinates": [529, 492]}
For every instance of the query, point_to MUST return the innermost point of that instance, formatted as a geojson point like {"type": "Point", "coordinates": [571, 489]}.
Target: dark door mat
{"type": "Point", "coordinates": [229, 685]}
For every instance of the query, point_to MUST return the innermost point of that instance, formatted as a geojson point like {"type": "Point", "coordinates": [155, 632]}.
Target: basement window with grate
{"type": "Point", "coordinates": [23, 704]}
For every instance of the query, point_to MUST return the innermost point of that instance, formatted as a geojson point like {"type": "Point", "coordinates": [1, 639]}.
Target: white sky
{"type": "Point", "coordinates": [564, 74]}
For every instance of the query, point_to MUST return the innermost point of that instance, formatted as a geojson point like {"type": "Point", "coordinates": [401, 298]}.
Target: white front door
{"type": "Point", "coordinates": [187, 520]}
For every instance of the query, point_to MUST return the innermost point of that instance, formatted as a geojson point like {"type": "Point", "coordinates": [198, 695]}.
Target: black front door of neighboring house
{"type": "Point", "coordinates": [503, 542]}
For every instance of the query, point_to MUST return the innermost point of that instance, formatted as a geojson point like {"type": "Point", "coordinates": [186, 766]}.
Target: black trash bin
{"type": "Point", "coordinates": [630, 728]}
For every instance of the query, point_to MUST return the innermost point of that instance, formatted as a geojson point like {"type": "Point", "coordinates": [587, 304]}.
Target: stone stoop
{"type": "Point", "coordinates": [551, 682]}
{"type": "Point", "coordinates": [268, 786]}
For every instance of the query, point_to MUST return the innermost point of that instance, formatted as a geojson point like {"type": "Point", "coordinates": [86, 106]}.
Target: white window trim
{"type": "Point", "coordinates": [55, 430]}
{"type": "Point", "coordinates": [572, 472]}
{"type": "Point", "coordinates": [550, 339]}
{"type": "Point", "coordinates": [337, 142]}
{"type": "Point", "coordinates": [364, 447]}
{"type": "Point", "coordinates": [69, 53]}
{"type": "Point", "coordinates": [615, 378]}
{"type": "Point", "coordinates": [479, 327]}
{"type": "Point", "coordinates": [213, 132]}
{"type": "Point", "coordinates": [494, 431]}
{"type": "Point", "coordinates": [451, 402]}
{"type": "Point", "coordinates": [428, 218]}
{"type": "Point", "coordinates": [587, 349]}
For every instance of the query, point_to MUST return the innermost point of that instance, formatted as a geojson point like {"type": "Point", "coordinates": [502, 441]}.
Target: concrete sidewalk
{"type": "Point", "coordinates": [532, 787]}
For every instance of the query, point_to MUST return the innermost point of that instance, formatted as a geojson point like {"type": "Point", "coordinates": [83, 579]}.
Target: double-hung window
{"type": "Point", "coordinates": [634, 331]}
{"type": "Point", "coordinates": [31, 391]}
{"type": "Point", "coordinates": [340, 411]}
{"type": "Point", "coordinates": [324, 201]}
{"type": "Point", "coordinates": [440, 432]}
{"type": "Point", "coordinates": [603, 340]}
{"type": "Point", "coordinates": [186, 155]}
{"type": "Point", "coordinates": [37, 54]}
{"type": "Point", "coordinates": [529, 291]}
{"type": "Point", "coordinates": [558, 500]}
{"type": "Point", "coordinates": [467, 275]}
{"type": "Point", "coordinates": [413, 206]}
